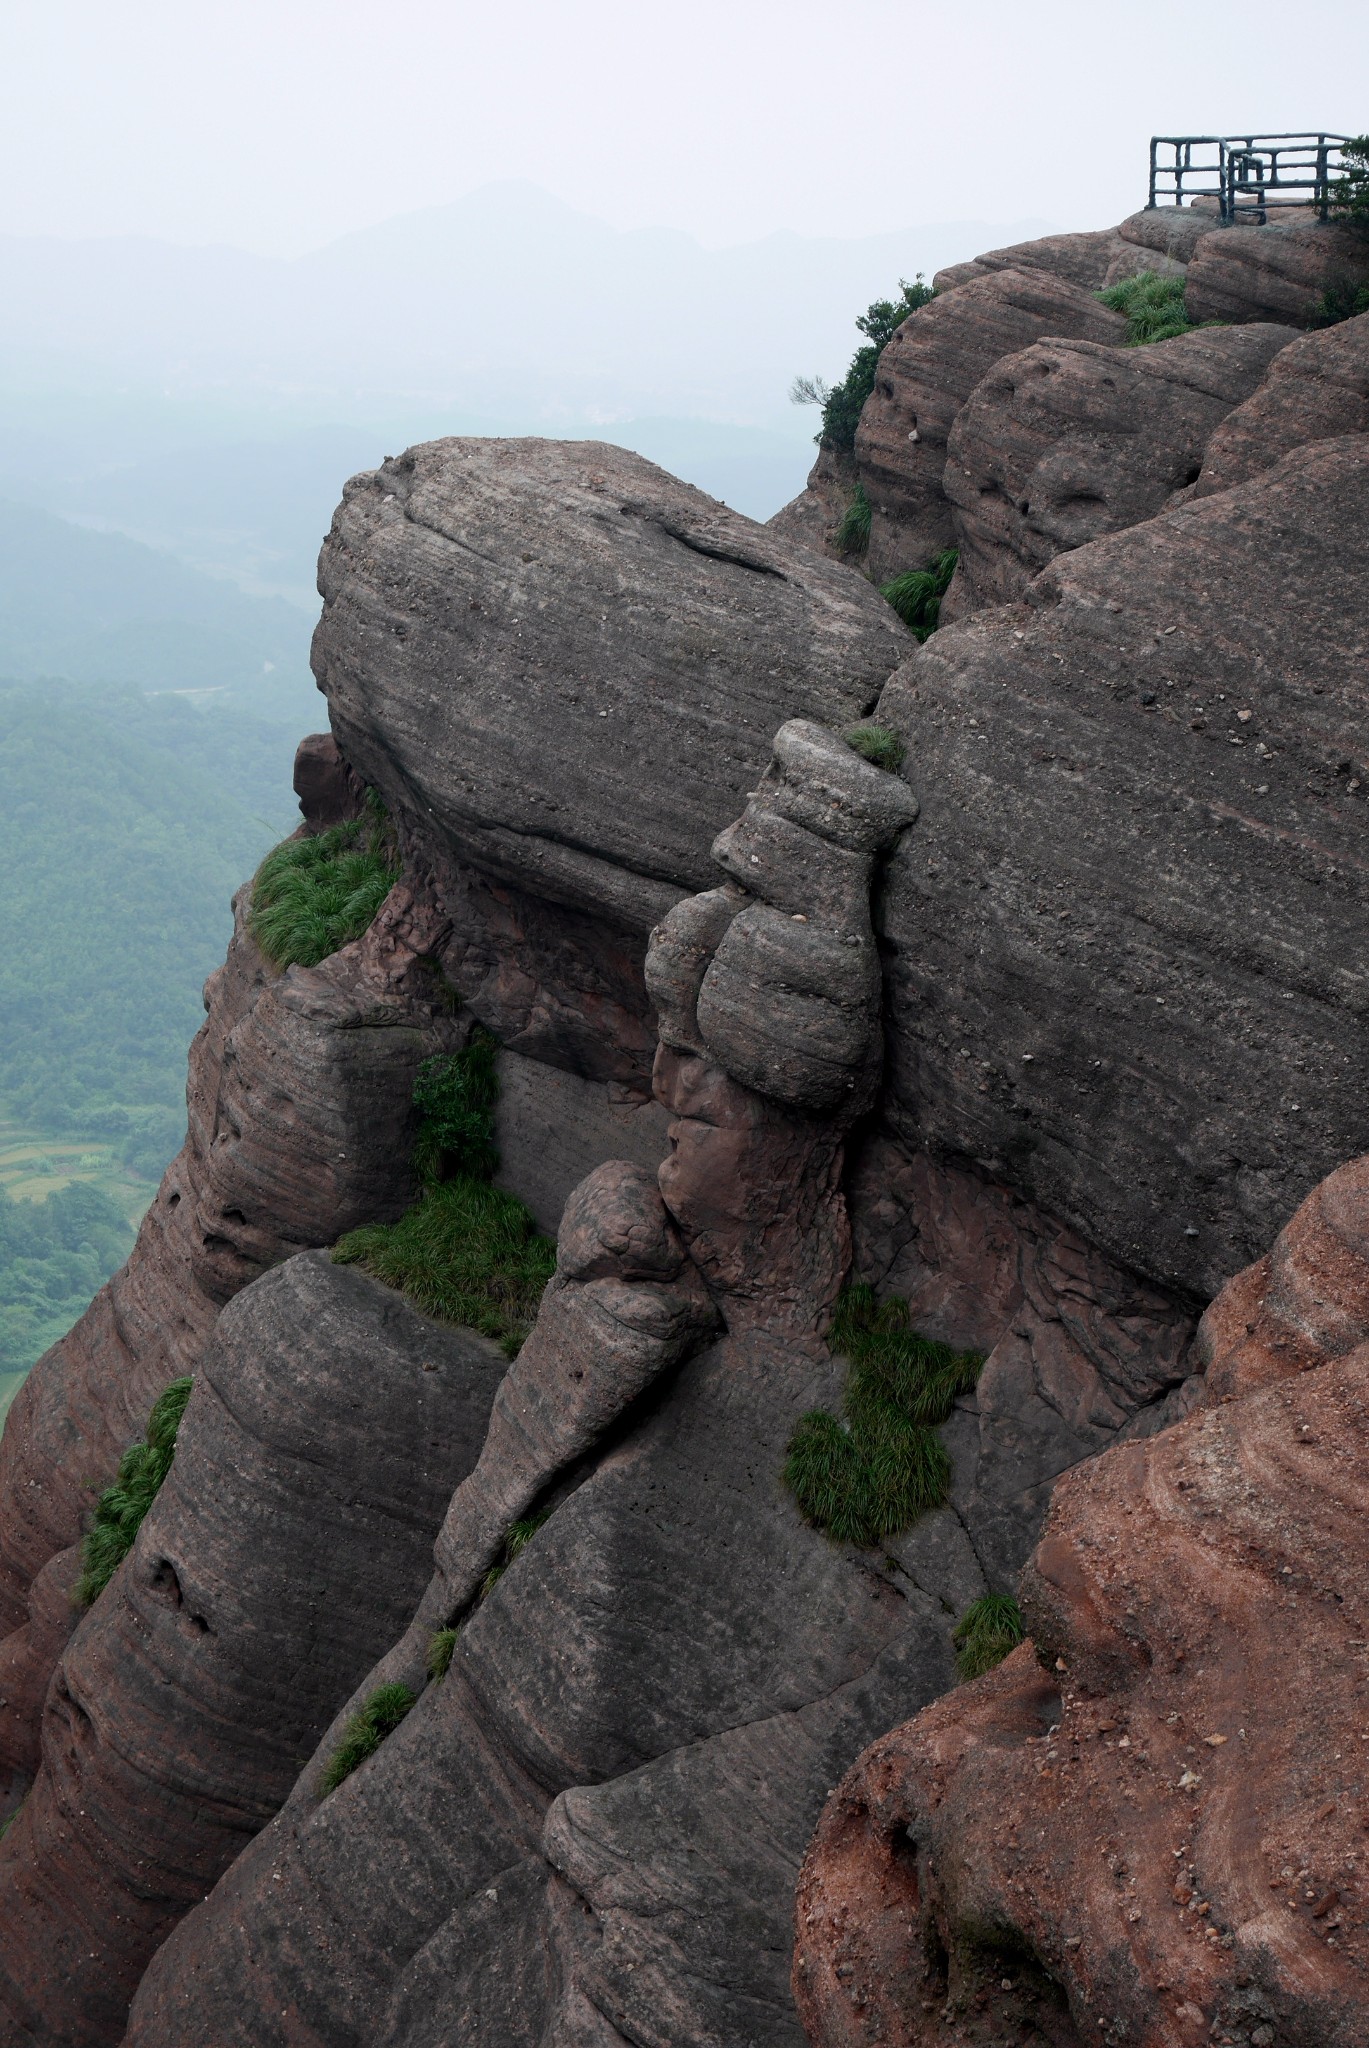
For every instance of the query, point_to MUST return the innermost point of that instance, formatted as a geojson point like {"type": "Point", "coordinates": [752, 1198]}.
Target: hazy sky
{"type": "Point", "coordinates": [278, 124]}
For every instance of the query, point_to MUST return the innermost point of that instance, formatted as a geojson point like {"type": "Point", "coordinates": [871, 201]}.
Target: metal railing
{"type": "Point", "coordinates": [1249, 176]}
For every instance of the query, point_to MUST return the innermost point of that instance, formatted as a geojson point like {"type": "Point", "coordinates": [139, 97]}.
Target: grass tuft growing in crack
{"type": "Point", "coordinates": [311, 896]}
{"type": "Point", "coordinates": [916, 595]}
{"type": "Point", "coordinates": [376, 1718]}
{"type": "Point", "coordinates": [986, 1633]}
{"type": "Point", "coordinates": [121, 1507]}
{"type": "Point", "coordinates": [517, 1537]}
{"type": "Point", "coordinates": [878, 744]}
{"type": "Point", "coordinates": [441, 1650]}
{"type": "Point", "coordinates": [870, 1473]}
{"type": "Point", "coordinates": [852, 537]}
{"type": "Point", "coordinates": [466, 1252]}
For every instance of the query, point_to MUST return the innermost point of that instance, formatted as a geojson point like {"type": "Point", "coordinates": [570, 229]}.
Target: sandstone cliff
{"type": "Point", "coordinates": [1047, 1033]}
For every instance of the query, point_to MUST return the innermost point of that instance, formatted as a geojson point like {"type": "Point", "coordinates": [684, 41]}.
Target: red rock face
{"type": "Point", "coordinates": [301, 1125]}
{"type": "Point", "coordinates": [1271, 273]}
{"type": "Point", "coordinates": [1069, 440]}
{"type": "Point", "coordinates": [926, 373]}
{"type": "Point", "coordinates": [1148, 1824]}
{"type": "Point", "coordinates": [1316, 388]}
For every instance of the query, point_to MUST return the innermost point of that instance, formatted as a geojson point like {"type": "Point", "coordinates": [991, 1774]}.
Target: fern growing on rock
{"type": "Point", "coordinates": [121, 1507]}
{"type": "Point", "coordinates": [311, 896]}
{"type": "Point", "coordinates": [870, 1473]}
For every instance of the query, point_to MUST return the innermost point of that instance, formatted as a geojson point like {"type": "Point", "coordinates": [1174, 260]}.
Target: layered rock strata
{"type": "Point", "coordinates": [328, 1425]}
{"type": "Point", "coordinates": [1317, 389]}
{"type": "Point", "coordinates": [1116, 954]}
{"type": "Point", "coordinates": [1069, 440]}
{"type": "Point", "coordinates": [1275, 274]}
{"type": "Point", "coordinates": [1148, 1823]}
{"type": "Point", "coordinates": [585, 1663]}
{"type": "Point", "coordinates": [563, 663]}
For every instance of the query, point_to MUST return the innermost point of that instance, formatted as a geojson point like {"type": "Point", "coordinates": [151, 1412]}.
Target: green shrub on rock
{"type": "Point", "coordinates": [378, 1717]}
{"type": "Point", "coordinates": [986, 1633]}
{"type": "Point", "coordinates": [121, 1507]}
{"type": "Point", "coordinates": [1349, 193]}
{"type": "Point", "coordinates": [871, 1473]}
{"type": "Point", "coordinates": [311, 896]}
{"type": "Point", "coordinates": [842, 403]}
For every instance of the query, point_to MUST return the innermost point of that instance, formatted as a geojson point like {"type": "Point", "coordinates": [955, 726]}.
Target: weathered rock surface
{"type": "Point", "coordinates": [1278, 272]}
{"type": "Point", "coordinates": [1070, 440]}
{"type": "Point", "coordinates": [783, 988]}
{"type": "Point", "coordinates": [1315, 389]}
{"type": "Point", "coordinates": [301, 1125]}
{"type": "Point", "coordinates": [1081, 259]}
{"type": "Point", "coordinates": [562, 663]}
{"type": "Point", "coordinates": [926, 372]}
{"type": "Point", "coordinates": [1148, 1823]}
{"type": "Point", "coordinates": [1117, 964]}
{"type": "Point", "coordinates": [328, 1425]}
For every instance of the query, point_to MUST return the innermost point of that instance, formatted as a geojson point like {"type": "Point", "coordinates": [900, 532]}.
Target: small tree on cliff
{"type": "Point", "coordinates": [841, 403]}
{"type": "Point", "coordinates": [1349, 193]}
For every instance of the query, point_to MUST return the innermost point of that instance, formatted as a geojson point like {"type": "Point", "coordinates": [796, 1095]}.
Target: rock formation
{"type": "Point", "coordinates": [301, 1122]}
{"type": "Point", "coordinates": [1148, 1824]}
{"type": "Point", "coordinates": [1048, 1031]}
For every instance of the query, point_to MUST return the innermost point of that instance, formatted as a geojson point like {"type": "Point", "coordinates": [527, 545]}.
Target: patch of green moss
{"type": "Point", "coordinates": [986, 1633]}
{"type": "Point", "coordinates": [121, 1507]}
{"type": "Point", "coordinates": [311, 896]}
{"type": "Point", "coordinates": [916, 595]}
{"type": "Point", "coordinates": [376, 1718]}
{"type": "Point", "coordinates": [871, 1472]}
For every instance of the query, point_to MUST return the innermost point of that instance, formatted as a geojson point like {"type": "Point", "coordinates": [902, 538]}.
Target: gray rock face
{"type": "Point", "coordinates": [563, 665]}
{"type": "Point", "coordinates": [926, 373]}
{"type": "Point", "coordinates": [1315, 389]}
{"type": "Point", "coordinates": [1069, 440]}
{"type": "Point", "coordinates": [328, 1425]}
{"type": "Point", "coordinates": [682, 1660]}
{"type": "Point", "coordinates": [553, 1128]}
{"type": "Point", "coordinates": [1119, 972]}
